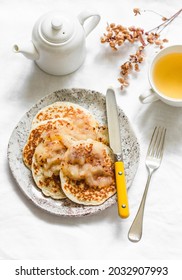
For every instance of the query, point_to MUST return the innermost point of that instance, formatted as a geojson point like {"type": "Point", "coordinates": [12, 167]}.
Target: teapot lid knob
{"type": "Point", "coordinates": [56, 23]}
{"type": "Point", "coordinates": [56, 29]}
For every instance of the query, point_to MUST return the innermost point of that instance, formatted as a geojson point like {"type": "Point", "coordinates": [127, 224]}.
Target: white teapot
{"type": "Point", "coordinates": [58, 41]}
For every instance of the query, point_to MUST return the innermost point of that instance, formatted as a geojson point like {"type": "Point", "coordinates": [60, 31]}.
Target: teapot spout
{"type": "Point", "coordinates": [28, 50]}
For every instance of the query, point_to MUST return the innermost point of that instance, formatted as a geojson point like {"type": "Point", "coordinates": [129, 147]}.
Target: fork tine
{"type": "Point", "coordinates": [160, 149]}
{"type": "Point", "coordinates": [152, 141]}
{"type": "Point", "coordinates": [157, 143]}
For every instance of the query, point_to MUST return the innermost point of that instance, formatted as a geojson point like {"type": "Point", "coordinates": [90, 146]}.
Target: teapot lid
{"type": "Point", "coordinates": [56, 29]}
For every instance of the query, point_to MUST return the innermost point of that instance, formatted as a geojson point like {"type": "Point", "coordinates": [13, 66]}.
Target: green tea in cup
{"type": "Point", "coordinates": [167, 75]}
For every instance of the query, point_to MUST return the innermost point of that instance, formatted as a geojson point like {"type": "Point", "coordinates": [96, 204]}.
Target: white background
{"type": "Point", "coordinates": [26, 232]}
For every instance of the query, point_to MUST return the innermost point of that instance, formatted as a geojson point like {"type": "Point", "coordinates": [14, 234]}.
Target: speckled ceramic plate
{"type": "Point", "coordinates": [95, 103]}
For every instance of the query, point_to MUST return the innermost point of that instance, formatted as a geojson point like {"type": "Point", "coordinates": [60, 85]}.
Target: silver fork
{"type": "Point", "coordinates": [153, 161]}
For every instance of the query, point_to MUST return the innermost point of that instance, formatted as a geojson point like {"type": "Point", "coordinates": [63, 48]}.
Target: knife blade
{"type": "Point", "coordinates": [115, 145]}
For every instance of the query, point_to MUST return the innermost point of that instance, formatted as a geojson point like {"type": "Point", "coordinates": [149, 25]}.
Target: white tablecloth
{"type": "Point", "coordinates": [27, 232]}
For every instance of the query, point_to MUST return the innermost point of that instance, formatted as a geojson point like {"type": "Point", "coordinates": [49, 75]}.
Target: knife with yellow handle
{"type": "Point", "coordinates": [115, 145]}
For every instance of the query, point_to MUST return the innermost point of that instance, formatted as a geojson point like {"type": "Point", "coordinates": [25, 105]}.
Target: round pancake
{"type": "Point", "coordinates": [65, 127]}
{"type": "Point", "coordinates": [67, 110]}
{"type": "Point", "coordinates": [46, 166]}
{"type": "Point", "coordinates": [73, 112]}
{"type": "Point", "coordinates": [87, 173]}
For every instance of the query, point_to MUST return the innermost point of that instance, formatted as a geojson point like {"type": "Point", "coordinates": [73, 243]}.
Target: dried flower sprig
{"type": "Point", "coordinates": [117, 35]}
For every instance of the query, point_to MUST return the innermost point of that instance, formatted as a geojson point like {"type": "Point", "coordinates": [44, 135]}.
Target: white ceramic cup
{"type": "Point", "coordinates": [153, 94]}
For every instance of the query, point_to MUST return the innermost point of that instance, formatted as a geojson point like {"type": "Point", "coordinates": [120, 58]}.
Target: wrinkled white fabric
{"type": "Point", "coordinates": [26, 232]}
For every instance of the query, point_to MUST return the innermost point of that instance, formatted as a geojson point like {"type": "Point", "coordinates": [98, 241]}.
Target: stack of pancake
{"type": "Point", "coordinates": [68, 154]}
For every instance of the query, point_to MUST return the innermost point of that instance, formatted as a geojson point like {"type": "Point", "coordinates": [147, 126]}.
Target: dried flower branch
{"type": "Point", "coordinates": [117, 35]}
{"type": "Point", "coordinates": [136, 11]}
{"type": "Point", "coordinates": [154, 12]}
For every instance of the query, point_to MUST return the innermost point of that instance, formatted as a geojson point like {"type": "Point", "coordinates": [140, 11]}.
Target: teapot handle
{"type": "Point", "coordinates": [92, 23]}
